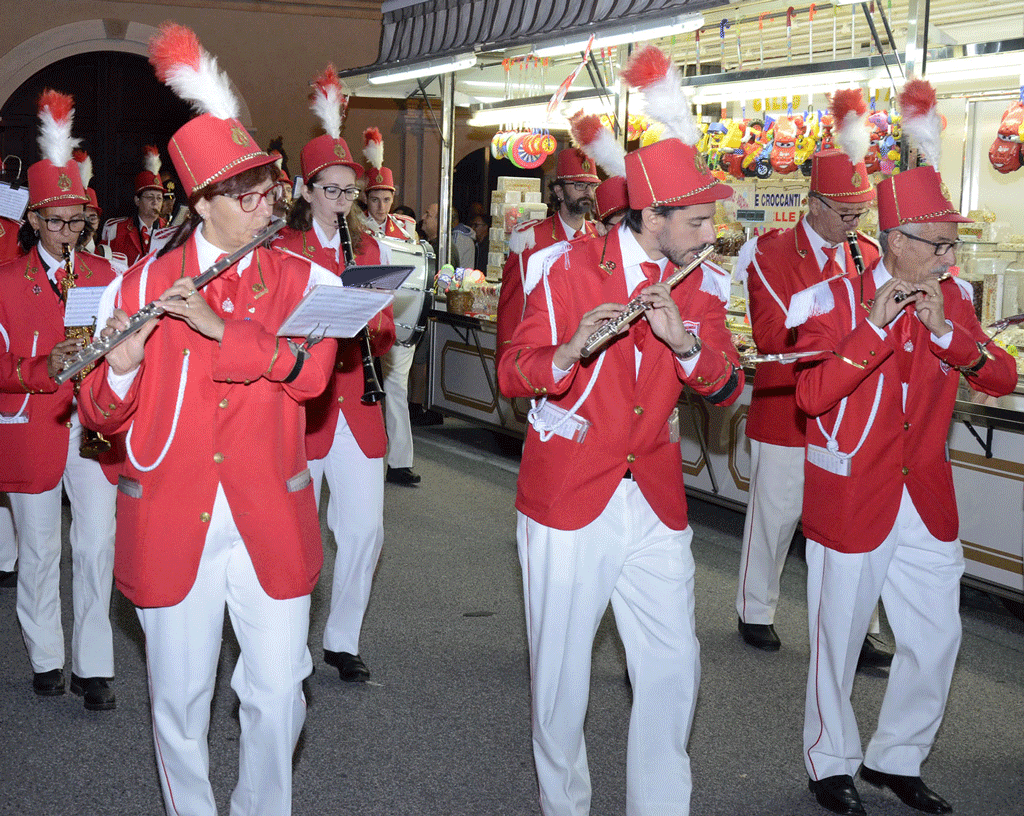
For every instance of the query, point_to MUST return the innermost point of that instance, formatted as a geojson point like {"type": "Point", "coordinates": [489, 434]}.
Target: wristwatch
{"type": "Point", "coordinates": [694, 349]}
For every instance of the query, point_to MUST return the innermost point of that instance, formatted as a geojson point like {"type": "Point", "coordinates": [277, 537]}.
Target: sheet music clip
{"type": "Point", "coordinates": [13, 195]}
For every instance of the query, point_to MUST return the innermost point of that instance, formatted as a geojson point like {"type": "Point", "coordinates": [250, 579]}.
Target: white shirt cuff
{"type": "Point", "coordinates": [120, 383]}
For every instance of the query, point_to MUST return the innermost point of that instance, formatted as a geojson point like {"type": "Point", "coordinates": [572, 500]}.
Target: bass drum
{"type": "Point", "coordinates": [415, 297]}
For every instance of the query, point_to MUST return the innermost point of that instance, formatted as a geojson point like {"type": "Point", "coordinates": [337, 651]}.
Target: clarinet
{"type": "Point", "coordinates": [858, 259]}
{"type": "Point", "coordinates": [372, 390]}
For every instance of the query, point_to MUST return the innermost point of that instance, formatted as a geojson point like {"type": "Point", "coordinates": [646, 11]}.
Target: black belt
{"type": "Point", "coordinates": [628, 475]}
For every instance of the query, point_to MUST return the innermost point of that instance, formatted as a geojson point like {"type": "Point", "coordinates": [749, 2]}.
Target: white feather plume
{"type": "Point", "coordinates": [84, 166]}
{"type": "Point", "coordinates": [207, 89]}
{"type": "Point", "coordinates": [55, 140]}
{"type": "Point", "coordinates": [667, 102]}
{"type": "Point", "coordinates": [151, 161]}
{"type": "Point", "coordinates": [853, 137]}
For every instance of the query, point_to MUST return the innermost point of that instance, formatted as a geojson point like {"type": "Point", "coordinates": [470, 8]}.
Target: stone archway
{"type": "Point", "coordinates": [35, 53]}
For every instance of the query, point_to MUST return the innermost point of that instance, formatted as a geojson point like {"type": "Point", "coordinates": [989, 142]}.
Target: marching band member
{"type": "Point", "coordinates": [572, 197]}
{"type": "Point", "coordinates": [397, 361]}
{"type": "Point", "coordinates": [774, 267]}
{"type": "Point", "coordinates": [215, 502]}
{"type": "Point", "coordinates": [345, 439]}
{"type": "Point", "coordinates": [131, 235]}
{"type": "Point", "coordinates": [879, 511]}
{"type": "Point", "coordinates": [40, 433]}
{"type": "Point", "coordinates": [93, 211]}
{"type": "Point", "coordinates": [9, 248]}
{"type": "Point", "coordinates": [600, 498]}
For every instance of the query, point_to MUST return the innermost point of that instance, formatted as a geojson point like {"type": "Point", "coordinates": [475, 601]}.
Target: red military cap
{"type": "Point", "coordinates": [379, 178]}
{"type": "Point", "coordinates": [671, 173]}
{"type": "Point", "coordinates": [149, 179]}
{"type": "Point", "coordinates": [93, 202]}
{"type": "Point", "coordinates": [215, 145]}
{"type": "Point", "coordinates": [55, 180]}
{"type": "Point", "coordinates": [575, 165]}
{"type": "Point", "coordinates": [834, 176]}
{"type": "Point", "coordinates": [611, 197]}
{"type": "Point", "coordinates": [328, 101]}
{"type": "Point", "coordinates": [914, 197]}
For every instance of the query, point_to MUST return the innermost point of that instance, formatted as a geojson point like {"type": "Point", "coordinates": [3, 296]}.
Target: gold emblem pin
{"type": "Point", "coordinates": [857, 179]}
{"type": "Point", "coordinates": [701, 164]}
{"type": "Point", "coordinates": [240, 137]}
{"type": "Point", "coordinates": [339, 151]}
{"type": "Point", "coordinates": [63, 182]}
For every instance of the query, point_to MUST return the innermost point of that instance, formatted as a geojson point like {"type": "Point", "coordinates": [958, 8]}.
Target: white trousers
{"type": "Point", "coordinates": [775, 503]}
{"type": "Point", "coordinates": [355, 514]}
{"type": "Point", "coordinates": [918, 579]}
{"type": "Point", "coordinates": [183, 644]}
{"type": "Point", "coordinates": [8, 540]}
{"type": "Point", "coordinates": [396, 365]}
{"type": "Point", "coordinates": [37, 518]}
{"type": "Point", "coordinates": [646, 570]}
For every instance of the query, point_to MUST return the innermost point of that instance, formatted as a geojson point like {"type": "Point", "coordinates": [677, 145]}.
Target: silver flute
{"type": "Point", "coordinates": [99, 348]}
{"type": "Point", "coordinates": [637, 307]}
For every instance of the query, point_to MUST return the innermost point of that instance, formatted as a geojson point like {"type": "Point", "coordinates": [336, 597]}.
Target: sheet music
{"type": "Point", "coordinates": [335, 311]}
{"type": "Point", "coordinates": [83, 304]}
{"type": "Point", "coordinates": [13, 202]}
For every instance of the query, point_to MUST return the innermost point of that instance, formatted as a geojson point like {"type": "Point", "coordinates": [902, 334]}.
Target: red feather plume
{"type": "Point", "coordinates": [325, 81]}
{"type": "Point", "coordinates": [846, 100]}
{"type": "Point", "coordinates": [646, 67]}
{"type": "Point", "coordinates": [79, 155]}
{"type": "Point", "coordinates": [585, 127]}
{"type": "Point", "coordinates": [172, 46]}
{"type": "Point", "coordinates": [917, 98]}
{"type": "Point", "coordinates": [60, 105]}
{"type": "Point", "coordinates": [372, 135]}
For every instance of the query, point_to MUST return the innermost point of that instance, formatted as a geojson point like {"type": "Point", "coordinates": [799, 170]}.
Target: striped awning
{"type": "Point", "coordinates": [413, 31]}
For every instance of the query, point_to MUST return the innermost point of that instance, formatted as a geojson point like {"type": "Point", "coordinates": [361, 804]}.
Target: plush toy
{"type": "Point", "coordinates": [784, 150]}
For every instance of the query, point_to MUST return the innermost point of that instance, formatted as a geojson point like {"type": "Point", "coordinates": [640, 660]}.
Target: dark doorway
{"type": "Point", "coordinates": [120, 107]}
{"type": "Point", "coordinates": [476, 175]}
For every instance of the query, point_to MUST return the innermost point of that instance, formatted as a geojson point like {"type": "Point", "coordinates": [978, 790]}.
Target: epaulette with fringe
{"type": "Point", "coordinates": [540, 264]}
{"type": "Point", "coordinates": [744, 259]}
{"type": "Point", "coordinates": [523, 237]}
{"type": "Point", "coordinates": [814, 301]}
{"type": "Point", "coordinates": [715, 281]}
{"type": "Point", "coordinates": [966, 290]}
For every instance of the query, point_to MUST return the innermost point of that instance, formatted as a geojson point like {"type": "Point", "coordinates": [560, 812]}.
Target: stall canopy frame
{"type": "Point", "coordinates": [413, 32]}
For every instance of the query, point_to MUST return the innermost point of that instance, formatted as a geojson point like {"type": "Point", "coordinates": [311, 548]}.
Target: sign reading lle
{"type": "Point", "coordinates": [774, 204]}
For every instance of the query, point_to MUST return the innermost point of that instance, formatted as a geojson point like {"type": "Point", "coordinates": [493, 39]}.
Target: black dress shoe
{"type": "Point", "coordinates": [49, 683]}
{"type": "Point", "coordinates": [350, 667]}
{"type": "Point", "coordinates": [95, 691]}
{"type": "Point", "coordinates": [402, 476]}
{"type": "Point", "coordinates": [874, 659]}
{"type": "Point", "coordinates": [421, 417]}
{"type": "Point", "coordinates": [9, 579]}
{"type": "Point", "coordinates": [760, 636]}
{"type": "Point", "coordinates": [910, 789]}
{"type": "Point", "coordinates": [837, 793]}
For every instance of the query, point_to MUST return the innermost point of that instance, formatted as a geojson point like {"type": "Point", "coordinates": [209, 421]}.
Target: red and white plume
{"type": "Point", "coordinates": [373, 147]}
{"type": "Point", "coordinates": [329, 101]}
{"type": "Point", "coordinates": [56, 113]}
{"type": "Point", "coordinates": [181, 63]}
{"type": "Point", "coordinates": [598, 142]}
{"type": "Point", "coordinates": [84, 165]}
{"type": "Point", "coordinates": [920, 119]}
{"type": "Point", "coordinates": [850, 114]}
{"type": "Point", "coordinates": [653, 72]}
{"type": "Point", "coordinates": [151, 160]}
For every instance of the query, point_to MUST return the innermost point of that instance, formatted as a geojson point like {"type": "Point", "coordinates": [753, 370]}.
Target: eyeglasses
{"type": "Point", "coordinates": [249, 202]}
{"type": "Point", "coordinates": [152, 198]}
{"type": "Point", "coordinates": [57, 224]}
{"type": "Point", "coordinates": [581, 186]}
{"type": "Point", "coordinates": [846, 218]}
{"type": "Point", "coordinates": [940, 247]}
{"type": "Point", "coordinates": [332, 191]}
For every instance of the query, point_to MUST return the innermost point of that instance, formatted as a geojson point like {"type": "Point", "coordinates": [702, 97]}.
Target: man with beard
{"type": "Point", "coordinates": [879, 511]}
{"type": "Point", "coordinates": [600, 497]}
{"type": "Point", "coordinates": [572, 198]}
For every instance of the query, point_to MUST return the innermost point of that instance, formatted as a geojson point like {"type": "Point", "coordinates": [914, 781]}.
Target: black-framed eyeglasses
{"type": "Point", "coordinates": [846, 218]}
{"type": "Point", "coordinates": [54, 224]}
{"type": "Point", "coordinates": [249, 202]}
{"type": "Point", "coordinates": [333, 191]}
{"type": "Point", "coordinates": [940, 247]}
{"type": "Point", "coordinates": [581, 186]}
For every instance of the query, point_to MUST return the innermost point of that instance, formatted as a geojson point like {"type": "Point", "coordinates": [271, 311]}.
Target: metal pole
{"type": "Point", "coordinates": [444, 213]}
{"type": "Point", "coordinates": [917, 43]}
